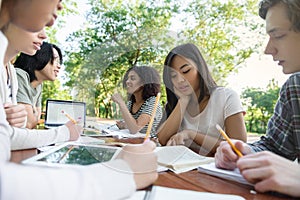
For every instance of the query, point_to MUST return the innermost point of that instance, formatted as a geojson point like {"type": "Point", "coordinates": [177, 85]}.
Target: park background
{"type": "Point", "coordinates": [101, 39]}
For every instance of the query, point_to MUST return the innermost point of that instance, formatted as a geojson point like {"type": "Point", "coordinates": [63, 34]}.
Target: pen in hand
{"type": "Point", "coordinates": [229, 141]}
{"type": "Point", "coordinates": [69, 117]}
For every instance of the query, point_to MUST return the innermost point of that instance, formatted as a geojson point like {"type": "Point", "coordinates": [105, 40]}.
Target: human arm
{"type": "Point", "coordinates": [16, 115]}
{"type": "Point", "coordinates": [134, 125]}
{"type": "Point", "coordinates": [114, 180]}
{"type": "Point", "coordinates": [26, 138]}
{"type": "Point", "coordinates": [284, 125]}
{"type": "Point", "coordinates": [235, 128]}
{"type": "Point", "coordinates": [30, 96]}
{"type": "Point", "coordinates": [271, 172]}
{"type": "Point", "coordinates": [5, 130]}
{"type": "Point", "coordinates": [173, 122]}
{"type": "Point", "coordinates": [33, 115]}
{"type": "Point", "coordinates": [134, 168]}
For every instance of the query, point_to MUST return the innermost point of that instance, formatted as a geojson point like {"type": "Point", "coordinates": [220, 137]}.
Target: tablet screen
{"type": "Point", "coordinates": [75, 154]}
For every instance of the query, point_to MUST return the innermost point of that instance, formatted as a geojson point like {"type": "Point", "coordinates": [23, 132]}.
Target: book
{"type": "Point", "coordinates": [159, 192]}
{"type": "Point", "coordinates": [180, 158]}
{"type": "Point", "coordinates": [233, 175]}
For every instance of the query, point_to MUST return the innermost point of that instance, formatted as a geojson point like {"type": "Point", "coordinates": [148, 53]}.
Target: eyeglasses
{"type": "Point", "coordinates": [56, 60]}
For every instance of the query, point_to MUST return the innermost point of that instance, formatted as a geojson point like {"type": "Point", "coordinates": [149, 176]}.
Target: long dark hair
{"type": "Point", "coordinates": [38, 61]}
{"type": "Point", "coordinates": [206, 82]}
{"type": "Point", "coordinates": [150, 80]}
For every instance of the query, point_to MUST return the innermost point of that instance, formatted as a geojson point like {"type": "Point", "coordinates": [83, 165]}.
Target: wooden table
{"type": "Point", "coordinates": [192, 180]}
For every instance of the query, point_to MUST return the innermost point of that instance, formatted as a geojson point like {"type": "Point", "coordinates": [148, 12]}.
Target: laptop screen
{"type": "Point", "coordinates": [55, 109]}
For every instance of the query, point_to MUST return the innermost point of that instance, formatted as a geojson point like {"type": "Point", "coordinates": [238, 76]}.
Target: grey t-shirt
{"type": "Point", "coordinates": [26, 93]}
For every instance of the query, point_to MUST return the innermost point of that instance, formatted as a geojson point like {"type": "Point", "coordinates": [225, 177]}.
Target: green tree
{"type": "Point", "coordinates": [50, 91]}
{"type": "Point", "coordinates": [221, 29]}
{"type": "Point", "coordinates": [260, 106]}
{"type": "Point", "coordinates": [120, 35]}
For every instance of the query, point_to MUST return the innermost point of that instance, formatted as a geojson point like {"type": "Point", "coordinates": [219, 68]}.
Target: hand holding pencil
{"type": "Point", "coordinates": [229, 141]}
{"type": "Point", "coordinates": [69, 117]}
{"type": "Point", "coordinates": [74, 129]}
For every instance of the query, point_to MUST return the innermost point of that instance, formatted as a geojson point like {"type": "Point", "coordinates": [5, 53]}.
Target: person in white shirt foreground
{"type": "Point", "coordinates": [113, 180]}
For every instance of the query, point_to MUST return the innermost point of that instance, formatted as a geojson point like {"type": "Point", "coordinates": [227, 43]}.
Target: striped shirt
{"type": "Point", "coordinates": [283, 132]}
{"type": "Point", "coordinates": [147, 108]}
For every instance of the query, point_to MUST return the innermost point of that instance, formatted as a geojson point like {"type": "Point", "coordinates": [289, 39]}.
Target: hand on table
{"type": "Point", "coordinates": [180, 138]}
{"type": "Point", "coordinates": [121, 124]}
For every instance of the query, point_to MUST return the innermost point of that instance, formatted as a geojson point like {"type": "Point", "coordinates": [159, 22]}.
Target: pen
{"type": "Point", "coordinates": [69, 117]}
{"type": "Point", "coordinates": [152, 117]}
{"type": "Point", "coordinates": [229, 141]}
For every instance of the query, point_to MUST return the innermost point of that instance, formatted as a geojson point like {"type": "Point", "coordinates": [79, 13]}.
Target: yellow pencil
{"type": "Point", "coordinates": [69, 117]}
{"type": "Point", "coordinates": [229, 141]}
{"type": "Point", "coordinates": [152, 117]}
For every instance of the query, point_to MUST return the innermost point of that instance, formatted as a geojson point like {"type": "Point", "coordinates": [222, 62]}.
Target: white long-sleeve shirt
{"type": "Point", "coordinates": [111, 180]}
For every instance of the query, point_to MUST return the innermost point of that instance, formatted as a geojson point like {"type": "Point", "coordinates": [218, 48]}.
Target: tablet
{"type": "Point", "coordinates": [71, 153]}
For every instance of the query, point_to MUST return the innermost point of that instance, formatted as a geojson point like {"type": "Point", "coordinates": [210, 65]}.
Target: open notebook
{"type": "Point", "coordinates": [54, 116]}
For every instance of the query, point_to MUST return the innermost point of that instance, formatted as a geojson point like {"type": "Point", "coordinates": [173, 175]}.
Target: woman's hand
{"type": "Point", "coordinates": [117, 98]}
{"type": "Point", "coordinates": [121, 124]}
{"type": "Point", "coordinates": [181, 137]}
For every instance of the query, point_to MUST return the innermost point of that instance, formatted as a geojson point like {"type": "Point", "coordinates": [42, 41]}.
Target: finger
{"type": "Point", "coordinates": [169, 143]}
{"type": "Point", "coordinates": [254, 175]}
{"type": "Point", "coordinates": [149, 145]}
{"type": "Point", "coordinates": [6, 105]}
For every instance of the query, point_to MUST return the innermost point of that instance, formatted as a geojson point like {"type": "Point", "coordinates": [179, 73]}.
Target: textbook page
{"type": "Point", "coordinates": [233, 175]}
{"type": "Point", "coordinates": [180, 158]}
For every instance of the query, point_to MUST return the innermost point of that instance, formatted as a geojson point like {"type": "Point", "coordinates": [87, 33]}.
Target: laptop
{"type": "Point", "coordinates": [56, 110]}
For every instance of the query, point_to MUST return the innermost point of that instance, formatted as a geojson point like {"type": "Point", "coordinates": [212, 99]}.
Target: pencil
{"type": "Point", "coordinates": [152, 117]}
{"type": "Point", "coordinates": [67, 152]}
{"type": "Point", "coordinates": [229, 141]}
{"type": "Point", "coordinates": [69, 117]}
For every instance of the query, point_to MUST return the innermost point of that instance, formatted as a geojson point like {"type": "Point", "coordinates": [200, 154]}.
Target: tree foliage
{"type": "Point", "coordinates": [221, 28]}
{"type": "Point", "coordinates": [118, 35]}
{"type": "Point", "coordinates": [260, 106]}
{"type": "Point", "coordinates": [53, 90]}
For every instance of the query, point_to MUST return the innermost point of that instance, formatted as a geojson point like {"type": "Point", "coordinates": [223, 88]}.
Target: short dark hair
{"type": "Point", "coordinates": [150, 80]}
{"type": "Point", "coordinates": [292, 9]}
{"type": "Point", "coordinates": [38, 61]}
